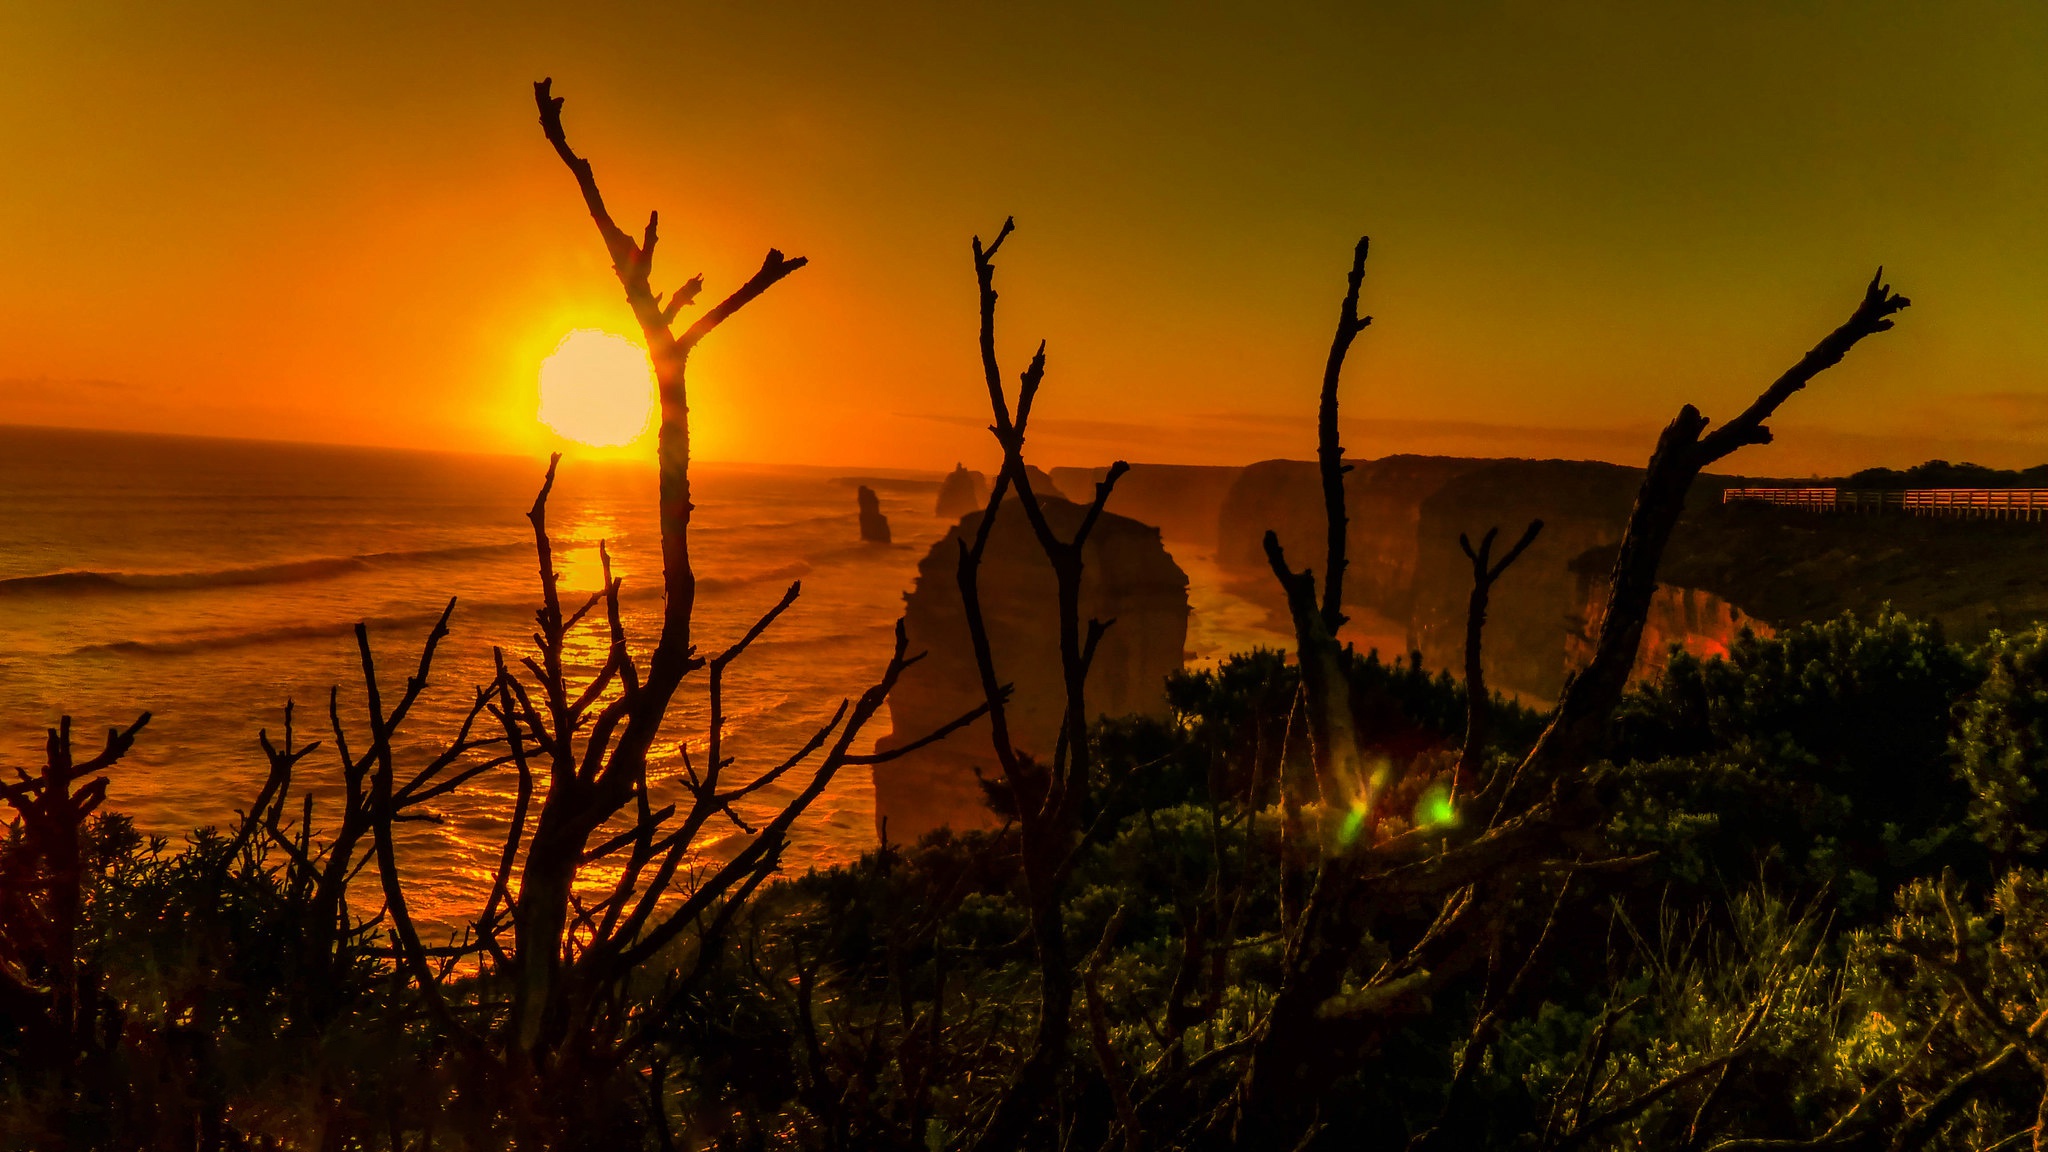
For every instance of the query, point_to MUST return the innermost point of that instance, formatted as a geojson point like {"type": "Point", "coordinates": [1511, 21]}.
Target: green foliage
{"type": "Point", "coordinates": [2002, 747]}
{"type": "Point", "coordinates": [1830, 910]}
{"type": "Point", "coordinates": [1684, 992]}
{"type": "Point", "coordinates": [1822, 753]}
{"type": "Point", "coordinates": [193, 957]}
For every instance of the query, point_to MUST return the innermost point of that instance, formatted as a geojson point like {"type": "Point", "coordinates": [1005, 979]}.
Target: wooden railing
{"type": "Point", "coordinates": [1971, 503]}
{"type": "Point", "coordinates": [1811, 499]}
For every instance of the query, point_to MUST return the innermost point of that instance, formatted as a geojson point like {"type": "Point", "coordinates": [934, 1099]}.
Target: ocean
{"type": "Point", "coordinates": [210, 581]}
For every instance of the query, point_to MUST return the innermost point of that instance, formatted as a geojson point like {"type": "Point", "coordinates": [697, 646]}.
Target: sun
{"type": "Point", "coordinates": [597, 388]}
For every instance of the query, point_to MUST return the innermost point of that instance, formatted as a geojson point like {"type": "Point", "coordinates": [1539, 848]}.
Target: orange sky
{"type": "Point", "coordinates": [247, 221]}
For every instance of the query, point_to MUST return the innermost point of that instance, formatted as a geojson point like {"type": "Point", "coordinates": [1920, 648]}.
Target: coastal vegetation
{"type": "Point", "coordinates": [1793, 898]}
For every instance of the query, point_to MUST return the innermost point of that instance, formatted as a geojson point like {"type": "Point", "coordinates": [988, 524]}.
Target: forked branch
{"type": "Point", "coordinates": [1478, 706]}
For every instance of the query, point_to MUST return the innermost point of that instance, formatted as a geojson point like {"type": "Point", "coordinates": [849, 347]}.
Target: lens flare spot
{"type": "Point", "coordinates": [597, 388]}
{"type": "Point", "coordinates": [1353, 824]}
{"type": "Point", "coordinates": [1435, 807]}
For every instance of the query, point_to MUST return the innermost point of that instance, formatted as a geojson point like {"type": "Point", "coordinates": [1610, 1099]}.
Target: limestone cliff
{"type": "Point", "coordinates": [1130, 579]}
{"type": "Point", "coordinates": [1282, 495]}
{"type": "Point", "coordinates": [1043, 484]}
{"type": "Point", "coordinates": [1747, 565]}
{"type": "Point", "coordinates": [1406, 513]}
{"type": "Point", "coordinates": [1383, 499]}
{"type": "Point", "coordinates": [874, 527]}
{"type": "Point", "coordinates": [1788, 566]}
{"type": "Point", "coordinates": [1691, 619]}
{"type": "Point", "coordinates": [1726, 567]}
{"type": "Point", "coordinates": [965, 491]}
{"type": "Point", "coordinates": [1184, 500]}
{"type": "Point", "coordinates": [961, 492]}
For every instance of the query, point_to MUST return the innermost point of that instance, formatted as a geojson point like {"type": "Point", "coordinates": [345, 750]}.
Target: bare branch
{"type": "Point", "coordinates": [1681, 453]}
{"type": "Point", "coordinates": [768, 618]}
{"type": "Point", "coordinates": [1102, 490]}
{"type": "Point", "coordinates": [1098, 1037]}
{"type": "Point", "coordinates": [625, 257]}
{"type": "Point", "coordinates": [1872, 316]}
{"type": "Point", "coordinates": [1330, 453]}
{"type": "Point", "coordinates": [802, 754]}
{"type": "Point", "coordinates": [929, 738]}
{"type": "Point", "coordinates": [1478, 702]}
{"type": "Point", "coordinates": [774, 267]}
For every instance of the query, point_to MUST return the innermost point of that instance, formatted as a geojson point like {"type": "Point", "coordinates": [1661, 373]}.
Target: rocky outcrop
{"type": "Point", "coordinates": [1690, 619]}
{"type": "Point", "coordinates": [1383, 499]}
{"type": "Point", "coordinates": [1043, 484]}
{"type": "Point", "coordinates": [961, 492]}
{"type": "Point", "coordinates": [1786, 566]}
{"type": "Point", "coordinates": [1405, 565]}
{"type": "Point", "coordinates": [965, 491]}
{"type": "Point", "coordinates": [1184, 500]}
{"type": "Point", "coordinates": [1130, 579]}
{"type": "Point", "coordinates": [1727, 566]}
{"type": "Point", "coordinates": [874, 527]}
{"type": "Point", "coordinates": [1285, 496]}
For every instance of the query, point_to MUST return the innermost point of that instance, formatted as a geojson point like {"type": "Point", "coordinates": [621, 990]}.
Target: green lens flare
{"type": "Point", "coordinates": [1354, 823]}
{"type": "Point", "coordinates": [1435, 807]}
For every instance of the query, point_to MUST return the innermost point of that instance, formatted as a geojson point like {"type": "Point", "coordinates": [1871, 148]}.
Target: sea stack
{"type": "Point", "coordinates": [874, 527]}
{"type": "Point", "coordinates": [961, 493]}
{"type": "Point", "coordinates": [1130, 579]}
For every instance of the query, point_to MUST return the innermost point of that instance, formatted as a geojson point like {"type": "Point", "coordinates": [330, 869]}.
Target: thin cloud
{"type": "Point", "coordinates": [44, 388]}
{"type": "Point", "coordinates": [1224, 437]}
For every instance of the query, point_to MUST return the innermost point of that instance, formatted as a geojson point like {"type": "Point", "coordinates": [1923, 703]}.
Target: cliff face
{"type": "Point", "coordinates": [1786, 566]}
{"type": "Point", "coordinates": [1383, 499]}
{"type": "Point", "coordinates": [1285, 496]}
{"type": "Point", "coordinates": [961, 492]}
{"type": "Point", "coordinates": [1129, 578]}
{"type": "Point", "coordinates": [1406, 513]}
{"type": "Point", "coordinates": [874, 527]}
{"type": "Point", "coordinates": [1042, 483]}
{"type": "Point", "coordinates": [1696, 621]}
{"type": "Point", "coordinates": [965, 491]}
{"type": "Point", "coordinates": [1182, 499]}
{"type": "Point", "coordinates": [1386, 499]}
{"type": "Point", "coordinates": [1731, 567]}
{"type": "Point", "coordinates": [1726, 567]}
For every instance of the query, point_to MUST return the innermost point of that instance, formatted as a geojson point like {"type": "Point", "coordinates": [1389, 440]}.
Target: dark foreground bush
{"type": "Point", "coordinates": [1774, 946]}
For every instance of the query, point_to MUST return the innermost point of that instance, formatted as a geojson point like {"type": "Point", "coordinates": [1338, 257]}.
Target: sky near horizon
{"type": "Point", "coordinates": [341, 222]}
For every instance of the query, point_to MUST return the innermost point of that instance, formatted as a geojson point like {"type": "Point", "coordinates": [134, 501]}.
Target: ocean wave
{"type": "Point", "coordinates": [649, 587]}
{"type": "Point", "coordinates": [286, 633]}
{"type": "Point", "coordinates": [290, 572]}
{"type": "Point", "coordinates": [847, 517]}
{"type": "Point", "coordinates": [866, 552]}
{"type": "Point", "coordinates": [216, 641]}
{"type": "Point", "coordinates": [827, 640]}
{"type": "Point", "coordinates": [721, 583]}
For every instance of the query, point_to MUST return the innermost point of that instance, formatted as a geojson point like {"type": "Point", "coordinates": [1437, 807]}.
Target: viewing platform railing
{"type": "Point", "coordinates": [1963, 503]}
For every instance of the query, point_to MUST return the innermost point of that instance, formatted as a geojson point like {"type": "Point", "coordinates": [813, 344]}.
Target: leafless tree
{"type": "Point", "coordinates": [602, 913]}
{"type": "Point", "coordinates": [1325, 688]}
{"type": "Point", "coordinates": [1051, 797]}
{"type": "Point", "coordinates": [582, 751]}
{"type": "Point", "coordinates": [1486, 571]}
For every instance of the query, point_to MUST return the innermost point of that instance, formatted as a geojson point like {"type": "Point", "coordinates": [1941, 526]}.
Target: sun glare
{"type": "Point", "coordinates": [597, 388]}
